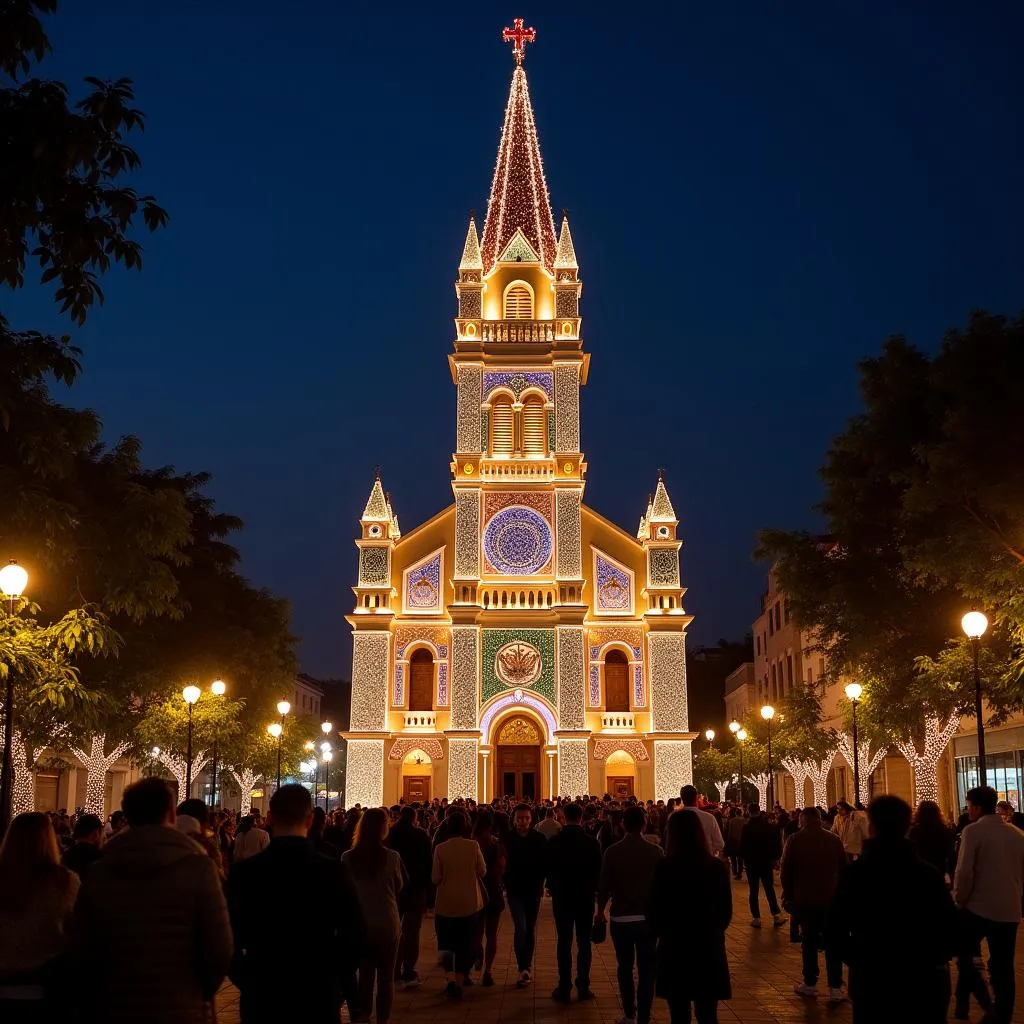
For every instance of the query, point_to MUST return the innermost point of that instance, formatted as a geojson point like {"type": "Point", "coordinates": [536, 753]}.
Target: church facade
{"type": "Point", "coordinates": [518, 643]}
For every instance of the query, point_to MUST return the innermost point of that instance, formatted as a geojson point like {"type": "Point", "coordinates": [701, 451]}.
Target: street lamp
{"type": "Point", "coordinates": [190, 695]}
{"type": "Point", "coordinates": [768, 713]}
{"type": "Point", "coordinates": [853, 694]}
{"type": "Point", "coordinates": [741, 735]}
{"type": "Point", "coordinates": [218, 688]}
{"type": "Point", "coordinates": [13, 580]}
{"type": "Point", "coordinates": [974, 624]}
{"type": "Point", "coordinates": [275, 729]}
{"type": "Point", "coordinates": [709, 735]}
{"type": "Point", "coordinates": [734, 727]}
{"type": "Point", "coordinates": [327, 757]}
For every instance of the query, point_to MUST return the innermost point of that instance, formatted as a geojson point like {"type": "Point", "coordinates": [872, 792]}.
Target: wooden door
{"type": "Point", "coordinates": [616, 682]}
{"type": "Point", "coordinates": [421, 681]}
{"type": "Point", "coordinates": [416, 789]}
{"type": "Point", "coordinates": [519, 771]}
{"type": "Point", "coordinates": [620, 787]}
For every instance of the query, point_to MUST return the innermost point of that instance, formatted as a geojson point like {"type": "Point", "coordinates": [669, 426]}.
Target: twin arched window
{"type": "Point", "coordinates": [519, 431]}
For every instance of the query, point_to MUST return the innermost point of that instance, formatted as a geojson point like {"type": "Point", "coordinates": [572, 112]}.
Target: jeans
{"type": "Point", "coordinates": [377, 964]}
{"type": "Point", "coordinates": [412, 924]}
{"type": "Point", "coordinates": [1002, 939]}
{"type": "Point", "coordinates": [737, 865]}
{"type": "Point", "coordinates": [706, 1011]}
{"type": "Point", "coordinates": [633, 939]}
{"type": "Point", "coordinates": [758, 875]}
{"type": "Point", "coordinates": [573, 915]}
{"type": "Point", "coordinates": [812, 927]}
{"type": "Point", "coordinates": [524, 909]}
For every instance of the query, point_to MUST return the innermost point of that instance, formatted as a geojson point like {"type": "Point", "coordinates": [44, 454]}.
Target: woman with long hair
{"type": "Point", "coordinates": [37, 896]}
{"type": "Point", "coordinates": [378, 875]}
{"type": "Point", "coordinates": [457, 872]}
{"type": "Point", "coordinates": [690, 908]}
{"type": "Point", "coordinates": [932, 838]}
{"type": "Point", "coordinates": [488, 922]}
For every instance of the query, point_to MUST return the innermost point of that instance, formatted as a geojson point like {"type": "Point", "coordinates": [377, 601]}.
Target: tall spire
{"type": "Point", "coordinates": [565, 257]}
{"type": "Point", "coordinates": [519, 193]}
{"type": "Point", "coordinates": [471, 250]}
{"type": "Point", "coordinates": [378, 508]}
{"type": "Point", "coordinates": [661, 508]}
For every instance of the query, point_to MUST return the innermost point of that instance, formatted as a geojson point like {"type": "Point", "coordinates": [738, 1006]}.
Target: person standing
{"type": "Point", "coordinates": [573, 869]}
{"type": "Point", "coordinates": [893, 912]}
{"type": "Point", "coordinates": [713, 834]}
{"type": "Point", "coordinates": [760, 851]}
{"type": "Point", "coordinates": [525, 853]}
{"type": "Point", "coordinates": [850, 826]}
{"type": "Point", "coordinates": [494, 904]}
{"type": "Point", "coordinates": [988, 886]}
{"type": "Point", "coordinates": [734, 826]}
{"type": "Point", "coordinates": [627, 873]}
{"type": "Point", "coordinates": [249, 840]}
{"type": "Point", "coordinates": [412, 844]}
{"type": "Point", "coordinates": [811, 864]}
{"type": "Point", "coordinates": [87, 836]}
{"type": "Point", "coordinates": [145, 908]}
{"type": "Point", "coordinates": [689, 909]}
{"type": "Point", "coordinates": [548, 825]}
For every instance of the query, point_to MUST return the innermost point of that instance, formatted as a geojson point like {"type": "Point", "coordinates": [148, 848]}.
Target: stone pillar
{"type": "Point", "coordinates": [673, 768]}
{"type": "Point", "coordinates": [573, 767]}
{"type": "Point", "coordinates": [462, 769]}
{"type": "Point", "coordinates": [364, 773]}
{"type": "Point", "coordinates": [571, 677]}
{"type": "Point", "coordinates": [370, 663]}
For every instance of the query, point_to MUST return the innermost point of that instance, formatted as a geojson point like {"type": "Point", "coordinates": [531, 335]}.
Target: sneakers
{"type": "Point", "coordinates": [806, 990]}
{"type": "Point", "coordinates": [836, 995]}
{"type": "Point", "coordinates": [778, 920]}
{"type": "Point", "coordinates": [523, 980]}
{"type": "Point", "coordinates": [413, 981]}
{"type": "Point", "coordinates": [755, 922]}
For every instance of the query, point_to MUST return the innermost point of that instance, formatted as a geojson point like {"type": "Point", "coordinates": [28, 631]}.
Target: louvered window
{"type": "Point", "coordinates": [518, 303]}
{"type": "Point", "coordinates": [535, 439]}
{"type": "Point", "coordinates": [502, 427]}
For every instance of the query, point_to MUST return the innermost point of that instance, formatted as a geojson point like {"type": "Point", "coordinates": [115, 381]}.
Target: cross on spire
{"type": "Point", "coordinates": [518, 36]}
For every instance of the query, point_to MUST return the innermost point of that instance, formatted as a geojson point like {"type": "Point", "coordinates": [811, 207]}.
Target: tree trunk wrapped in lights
{"type": "Point", "coordinates": [925, 763]}
{"type": "Point", "coordinates": [23, 796]}
{"type": "Point", "coordinates": [97, 764]}
{"type": "Point", "coordinates": [868, 761]}
{"type": "Point", "coordinates": [796, 768]}
{"type": "Point", "coordinates": [818, 771]}
{"type": "Point", "coordinates": [760, 783]}
{"type": "Point", "coordinates": [247, 780]}
{"type": "Point", "coordinates": [722, 786]}
{"type": "Point", "coordinates": [178, 767]}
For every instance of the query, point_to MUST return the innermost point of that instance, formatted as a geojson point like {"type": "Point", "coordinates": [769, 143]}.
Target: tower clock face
{"type": "Point", "coordinates": [517, 541]}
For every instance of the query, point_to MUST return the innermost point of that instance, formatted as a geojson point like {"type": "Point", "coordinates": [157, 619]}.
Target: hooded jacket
{"type": "Point", "coordinates": [151, 935]}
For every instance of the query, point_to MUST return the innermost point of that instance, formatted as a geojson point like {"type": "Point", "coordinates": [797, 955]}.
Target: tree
{"type": "Point", "coordinates": [713, 771]}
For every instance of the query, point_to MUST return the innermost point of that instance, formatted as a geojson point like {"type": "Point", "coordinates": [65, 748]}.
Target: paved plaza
{"type": "Point", "coordinates": [764, 965]}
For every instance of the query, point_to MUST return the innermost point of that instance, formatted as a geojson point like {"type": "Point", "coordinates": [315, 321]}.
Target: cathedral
{"type": "Point", "coordinates": [518, 643]}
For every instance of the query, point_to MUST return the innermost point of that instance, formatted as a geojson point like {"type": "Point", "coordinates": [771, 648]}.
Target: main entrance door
{"type": "Point", "coordinates": [620, 787]}
{"type": "Point", "coordinates": [517, 764]}
{"type": "Point", "coordinates": [416, 789]}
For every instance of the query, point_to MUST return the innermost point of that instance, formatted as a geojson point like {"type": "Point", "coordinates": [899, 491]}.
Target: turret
{"type": "Point", "coordinates": [658, 528]}
{"type": "Point", "coordinates": [378, 533]}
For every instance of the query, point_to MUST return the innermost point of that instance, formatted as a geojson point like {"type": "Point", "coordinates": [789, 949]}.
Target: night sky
{"type": "Point", "coordinates": [758, 198]}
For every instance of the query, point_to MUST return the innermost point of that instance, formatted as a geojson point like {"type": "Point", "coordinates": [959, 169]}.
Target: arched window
{"type": "Point", "coordinates": [421, 681]}
{"type": "Point", "coordinates": [502, 426]}
{"type": "Point", "coordinates": [519, 302]}
{"type": "Point", "coordinates": [535, 426]}
{"type": "Point", "coordinates": [616, 682]}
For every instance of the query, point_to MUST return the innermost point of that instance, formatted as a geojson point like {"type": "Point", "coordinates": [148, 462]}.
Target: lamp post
{"type": "Point", "coordinates": [741, 735]}
{"type": "Point", "coordinates": [768, 713]}
{"type": "Point", "coordinates": [327, 757]}
{"type": "Point", "coordinates": [709, 735]}
{"type": "Point", "coordinates": [190, 695]}
{"type": "Point", "coordinates": [974, 624]}
{"type": "Point", "coordinates": [218, 688]}
{"type": "Point", "coordinates": [13, 580]}
{"type": "Point", "coordinates": [853, 694]}
{"type": "Point", "coordinates": [275, 729]}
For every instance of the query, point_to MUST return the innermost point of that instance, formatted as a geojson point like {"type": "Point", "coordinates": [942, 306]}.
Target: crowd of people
{"type": "Point", "coordinates": [142, 917]}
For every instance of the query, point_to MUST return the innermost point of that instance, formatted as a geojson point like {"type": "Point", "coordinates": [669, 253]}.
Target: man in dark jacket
{"type": "Point", "coordinates": [290, 893]}
{"type": "Point", "coordinates": [573, 869]}
{"type": "Point", "coordinates": [525, 851]}
{"type": "Point", "coordinates": [412, 844]}
{"type": "Point", "coordinates": [760, 849]}
{"type": "Point", "coordinates": [895, 925]}
{"type": "Point", "coordinates": [88, 838]}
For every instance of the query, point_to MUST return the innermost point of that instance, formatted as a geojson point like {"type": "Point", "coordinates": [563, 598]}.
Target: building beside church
{"type": "Point", "coordinates": [518, 643]}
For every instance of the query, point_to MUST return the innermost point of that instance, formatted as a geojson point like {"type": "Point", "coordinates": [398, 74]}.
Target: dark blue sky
{"type": "Point", "coordinates": [757, 196]}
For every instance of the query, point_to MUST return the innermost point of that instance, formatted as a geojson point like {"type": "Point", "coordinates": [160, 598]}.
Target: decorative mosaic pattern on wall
{"type": "Point", "coordinates": [485, 429]}
{"type": "Point", "coordinates": [639, 696]}
{"type": "Point", "coordinates": [469, 304]}
{"type": "Point", "coordinates": [519, 732]}
{"type": "Point", "coordinates": [431, 747]}
{"type": "Point", "coordinates": [543, 640]}
{"type": "Point", "coordinates": [462, 769]}
{"type": "Point", "coordinates": [465, 685]}
{"type": "Point", "coordinates": [571, 682]}
{"type": "Point", "coordinates": [673, 768]}
{"type": "Point", "coordinates": [470, 396]}
{"type": "Point", "coordinates": [542, 502]}
{"type": "Point", "coordinates": [594, 692]}
{"type": "Point", "coordinates": [566, 303]}
{"type": "Point", "coordinates": [567, 524]}
{"type": "Point", "coordinates": [467, 533]}
{"type": "Point", "coordinates": [518, 381]}
{"type": "Point", "coordinates": [422, 586]}
{"type": "Point", "coordinates": [442, 685]}
{"type": "Point", "coordinates": [614, 592]}
{"type": "Point", "coordinates": [631, 636]}
{"type": "Point", "coordinates": [517, 542]}
{"type": "Point", "coordinates": [663, 567]}
{"type": "Point", "coordinates": [370, 681]}
{"type": "Point", "coordinates": [636, 748]}
{"type": "Point", "coordinates": [364, 773]}
{"type": "Point", "coordinates": [373, 567]}
{"type": "Point", "coordinates": [567, 407]}
{"type": "Point", "coordinates": [398, 698]}
{"type": "Point", "coordinates": [667, 661]}
{"type": "Point", "coordinates": [573, 768]}
{"type": "Point", "coordinates": [515, 699]}
{"type": "Point", "coordinates": [436, 635]}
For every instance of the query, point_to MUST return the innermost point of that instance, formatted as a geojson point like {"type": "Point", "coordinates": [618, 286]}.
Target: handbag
{"type": "Point", "coordinates": [600, 931]}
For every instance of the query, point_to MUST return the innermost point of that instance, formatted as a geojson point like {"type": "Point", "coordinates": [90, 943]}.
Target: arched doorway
{"type": "Point", "coordinates": [417, 770]}
{"type": "Point", "coordinates": [616, 681]}
{"type": "Point", "coordinates": [421, 680]}
{"type": "Point", "coordinates": [620, 775]}
{"type": "Point", "coordinates": [517, 760]}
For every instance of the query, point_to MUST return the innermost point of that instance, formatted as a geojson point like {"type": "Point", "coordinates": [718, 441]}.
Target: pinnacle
{"type": "Point", "coordinates": [471, 250]}
{"type": "Point", "coordinates": [377, 507]}
{"type": "Point", "coordinates": [565, 257]}
{"type": "Point", "coordinates": [662, 510]}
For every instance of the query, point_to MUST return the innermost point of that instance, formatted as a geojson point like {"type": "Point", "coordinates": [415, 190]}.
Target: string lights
{"type": "Point", "coordinates": [465, 677]}
{"type": "Point", "coordinates": [247, 780]}
{"type": "Point", "coordinates": [673, 768]}
{"type": "Point", "coordinates": [568, 528]}
{"type": "Point", "coordinates": [467, 533]}
{"type": "Point", "coordinates": [567, 407]}
{"type": "Point", "coordinates": [795, 767]}
{"type": "Point", "coordinates": [667, 660]}
{"type": "Point", "coordinates": [469, 397]}
{"type": "Point", "coordinates": [364, 773]}
{"type": "Point", "coordinates": [570, 677]}
{"type": "Point", "coordinates": [97, 764]}
{"type": "Point", "coordinates": [868, 762]}
{"type": "Point", "coordinates": [573, 768]}
{"type": "Point", "coordinates": [462, 769]}
{"type": "Point", "coordinates": [370, 652]}
{"type": "Point", "coordinates": [925, 764]}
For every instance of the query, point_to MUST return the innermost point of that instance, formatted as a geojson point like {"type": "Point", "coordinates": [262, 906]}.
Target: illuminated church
{"type": "Point", "coordinates": [518, 642]}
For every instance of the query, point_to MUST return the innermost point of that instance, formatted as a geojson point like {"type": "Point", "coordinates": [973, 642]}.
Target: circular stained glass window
{"type": "Point", "coordinates": [517, 541]}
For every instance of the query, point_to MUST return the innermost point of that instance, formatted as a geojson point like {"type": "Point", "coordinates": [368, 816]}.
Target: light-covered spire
{"type": "Point", "coordinates": [377, 508]}
{"type": "Point", "coordinates": [565, 257]}
{"type": "Point", "coordinates": [661, 508]}
{"type": "Point", "coordinates": [471, 250]}
{"type": "Point", "coordinates": [641, 530]}
{"type": "Point", "coordinates": [519, 193]}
